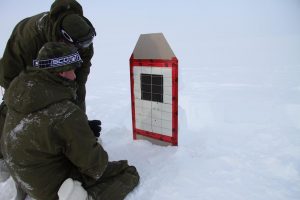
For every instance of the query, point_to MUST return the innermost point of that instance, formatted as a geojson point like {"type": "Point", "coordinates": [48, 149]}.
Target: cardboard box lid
{"type": "Point", "coordinates": [153, 46]}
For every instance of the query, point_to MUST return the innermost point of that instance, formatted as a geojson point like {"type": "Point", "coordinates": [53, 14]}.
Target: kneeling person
{"type": "Point", "coordinates": [47, 142]}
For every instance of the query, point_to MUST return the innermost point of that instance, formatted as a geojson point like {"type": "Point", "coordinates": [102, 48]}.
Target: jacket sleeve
{"type": "Point", "coordinates": [80, 145]}
{"type": "Point", "coordinates": [12, 63]}
{"type": "Point", "coordinates": [82, 75]}
{"type": "Point", "coordinates": [20, 50]}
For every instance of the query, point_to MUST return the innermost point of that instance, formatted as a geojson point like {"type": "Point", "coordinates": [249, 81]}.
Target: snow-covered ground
{"type": "Point", "coordinates": [239, 96]}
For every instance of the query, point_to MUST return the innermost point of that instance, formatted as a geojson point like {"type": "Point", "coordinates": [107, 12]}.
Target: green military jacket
{"type": "Point", "coordinates": [46, 137]}
{"type": "Point", "coordinates": [30, 34]}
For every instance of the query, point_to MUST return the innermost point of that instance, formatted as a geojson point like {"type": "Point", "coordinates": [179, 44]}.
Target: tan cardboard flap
{"type": "Point", "coordinates": [153, 46]}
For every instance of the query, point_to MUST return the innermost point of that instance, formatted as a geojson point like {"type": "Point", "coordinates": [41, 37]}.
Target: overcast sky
{"type": "Point", "coordinates": [213, 33]}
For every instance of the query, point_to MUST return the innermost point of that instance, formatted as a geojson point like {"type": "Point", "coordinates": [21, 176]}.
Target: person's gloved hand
{"type": "Point", "coordinates": [95, 125]}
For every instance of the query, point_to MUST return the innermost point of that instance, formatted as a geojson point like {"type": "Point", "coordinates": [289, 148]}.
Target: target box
{"type": "Point", "coordinates": [154, 90]}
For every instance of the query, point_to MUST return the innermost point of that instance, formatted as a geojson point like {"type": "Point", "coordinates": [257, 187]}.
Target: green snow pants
{"type": "Point", "coordinates": [117, 181]}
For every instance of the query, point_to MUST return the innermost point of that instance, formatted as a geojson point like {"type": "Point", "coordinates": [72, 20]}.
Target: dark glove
{"type": "Point", "coordinates": [95, 125]}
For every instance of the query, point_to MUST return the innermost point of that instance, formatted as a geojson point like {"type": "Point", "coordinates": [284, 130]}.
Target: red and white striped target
{"type": "Point", "coordinates": [154, 90]}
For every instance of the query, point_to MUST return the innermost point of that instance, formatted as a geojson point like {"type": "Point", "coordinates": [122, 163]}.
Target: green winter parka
{"type": "Point", "coordinates": [46, 137]}
{"type": "Point", "coordinates": [30, 34]}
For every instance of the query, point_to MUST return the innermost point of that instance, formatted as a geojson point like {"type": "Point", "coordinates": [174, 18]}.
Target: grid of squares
{"type": "Point", "coordinates": [152, 87]}
{"type": "Point", "coordinates": [151, 114]}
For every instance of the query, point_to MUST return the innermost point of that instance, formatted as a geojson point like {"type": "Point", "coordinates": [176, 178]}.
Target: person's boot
{"type": "Point", "coordinates": [4, 172]}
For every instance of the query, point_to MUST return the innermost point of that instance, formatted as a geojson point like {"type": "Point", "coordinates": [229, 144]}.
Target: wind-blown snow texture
{"type": "Point", "coordinates": [239, 95]}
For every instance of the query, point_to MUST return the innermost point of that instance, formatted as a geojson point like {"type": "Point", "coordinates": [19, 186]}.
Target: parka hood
{"type": "Point", "coordinates": [59, 9]}
{"type": "Point", "coordinates": [34, 91]}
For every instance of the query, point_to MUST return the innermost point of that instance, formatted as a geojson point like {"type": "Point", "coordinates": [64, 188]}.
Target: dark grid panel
{"type": "Point", "coordinates": [152, 87]}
